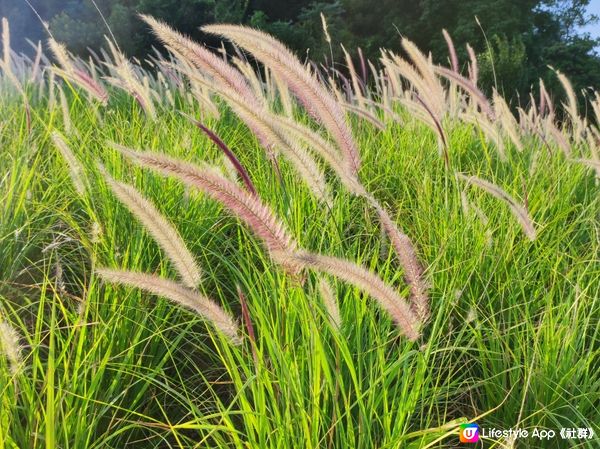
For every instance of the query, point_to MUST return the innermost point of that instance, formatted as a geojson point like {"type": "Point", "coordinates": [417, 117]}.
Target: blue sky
{"type": "Point", "coordinates": [594, 8]}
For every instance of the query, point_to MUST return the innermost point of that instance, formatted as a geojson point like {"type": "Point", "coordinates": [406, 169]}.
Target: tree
{"type": "Point", "coordinates": [504, 66]}
{"type": "Point", "coordinates": [516, 39]}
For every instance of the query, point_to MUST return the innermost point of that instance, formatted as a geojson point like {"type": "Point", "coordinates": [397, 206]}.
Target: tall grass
{"type": "Point", "coordinates": [503, 328]}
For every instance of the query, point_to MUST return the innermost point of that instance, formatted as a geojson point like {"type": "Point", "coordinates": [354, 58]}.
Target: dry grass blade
{"type": "Point", "coordinates": [177, 293]}
{"type": "Point", "coordinates": [518, 211]}
{"type": "Point", "coordinates": [245, 206]}
{"type": "Point", "coordinates": [160, 229]}
{"type": "Point", "coordinates": [317, 100]}
{"type": "Point", "coordinates": [366, 281]}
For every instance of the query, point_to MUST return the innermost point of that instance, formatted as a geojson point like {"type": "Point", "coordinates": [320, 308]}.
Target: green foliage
{"type": "Point", "coordinates": [524, 36]}
{"type": "Point", "coordinates": [121, 23]}
{"type": "Point", "coordinates": [306, 33]}
{"type": "Point", "coordinates": [573, 57]}
{"type": "Point", "coordinates": [230, 11]}
{"type": "Point", "coordinates": [504, 65]}
{"type": "Point", "coordinates": [514, 329]}
{"type": "Point", "coordinates": [76, 32]}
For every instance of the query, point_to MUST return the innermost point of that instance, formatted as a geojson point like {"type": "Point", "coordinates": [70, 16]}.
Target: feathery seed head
{"type": "Point", "coordinates": [518, 211]}
{"type": "Point", "coordinates": [10, 347]}
{"type": "Point", "coordinates": [366, 281]}
{"type": "Point", "coordinates": [317, 100]}
{"type": "Point", "coordinates": [330, 302]}
{"type": "Point", "coordinates": [179, 294]}
{"type": "Point", "coordinates": [75, 168]}
{"type": "Point", "coordinates": [160, 228]}
{"type": "Point", "coordinates": [247, 207]}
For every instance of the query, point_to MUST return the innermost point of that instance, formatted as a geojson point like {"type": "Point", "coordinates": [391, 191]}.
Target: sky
{"type": "Point", "coordinates": [593, 8]}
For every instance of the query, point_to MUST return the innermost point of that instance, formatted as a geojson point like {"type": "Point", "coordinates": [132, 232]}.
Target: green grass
{"type": "Point", "coordinates": [512, 341]}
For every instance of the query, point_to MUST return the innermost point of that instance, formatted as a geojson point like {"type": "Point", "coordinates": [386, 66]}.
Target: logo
{"type": "Point", "coordinates": [469, 433]}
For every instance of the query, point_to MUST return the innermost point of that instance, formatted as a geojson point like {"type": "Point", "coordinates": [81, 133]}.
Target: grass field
{"type": "Point", "coordinates": [512, 340]}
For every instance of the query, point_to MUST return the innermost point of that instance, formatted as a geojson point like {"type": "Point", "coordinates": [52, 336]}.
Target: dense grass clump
{"type": "Point", "coordinates": [445, 273]}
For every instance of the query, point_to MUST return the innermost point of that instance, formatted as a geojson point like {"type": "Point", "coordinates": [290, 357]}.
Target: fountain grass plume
{"type": "Point", "coordinates": [471, 88]}
{"type": "Point", "coordinates": [179, 294]}
{"type": "Point", "coordinates": [10, 347]}
{"type": "Point", "coordinates": [163, 232]}
{"type": "Point", "coordinates": [204, 60]}
{"type": "Point", "coordinates": [518, 211]}
{"type": "Point", "coordinates": [451, 51]}
{"type": "Point", "coordinates": [366, 281]}
{"type": "Point", "coordinates": [247, 207]}
{"type": "Point", "coordinates": [330, 303]}
{"type": "Point", "coordinates": [317, 100]}
{"type": "Point", "coordinates": [413, 270]}
{"type": "Point", "coordinates": [76, 171]}
{"type": "Point", "coordinates": [473, 66]}
{"type": "Point", "coordinates": [264, 125]}
{"type": "Point", "coordinates": [75, 75]}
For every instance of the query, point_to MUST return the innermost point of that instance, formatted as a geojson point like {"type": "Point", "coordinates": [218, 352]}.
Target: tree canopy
{"type": "Point", "coordinates": [515, 40]}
